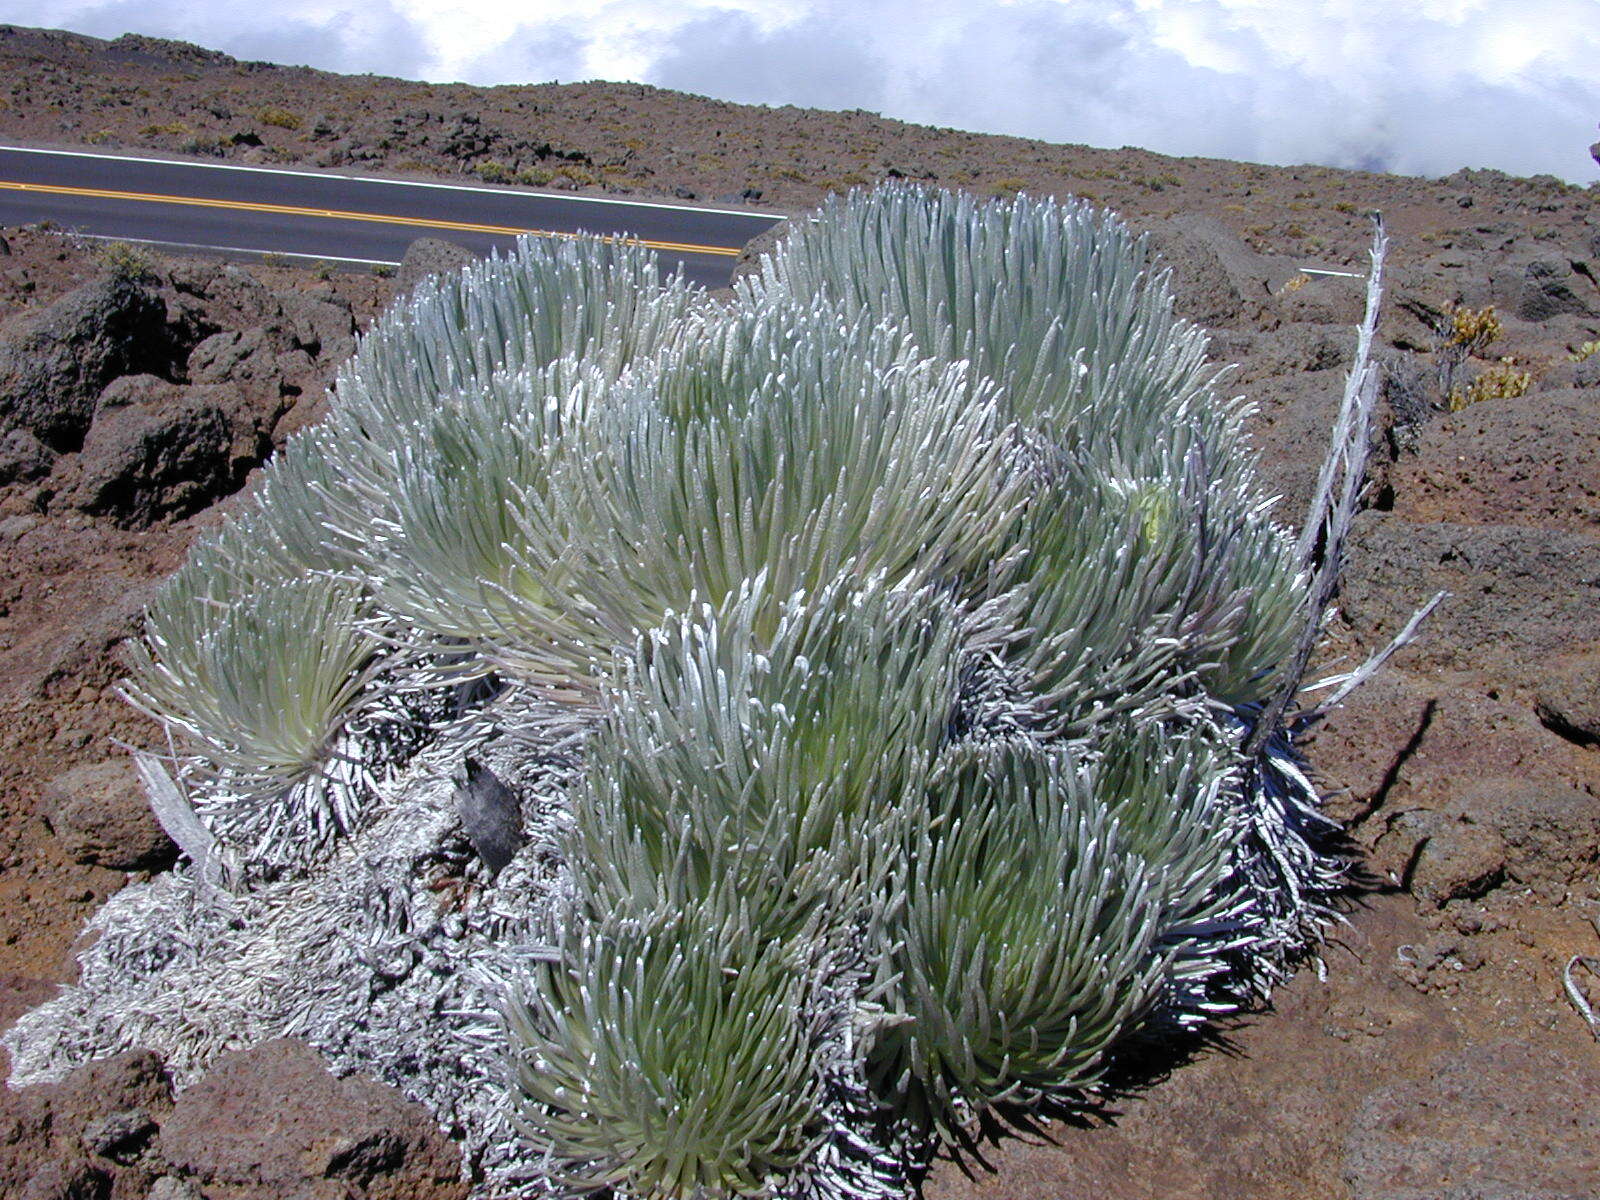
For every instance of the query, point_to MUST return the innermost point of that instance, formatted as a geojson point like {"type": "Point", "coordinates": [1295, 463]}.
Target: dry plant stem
{"type": "Point", "coordinates": [1350, 681]}
{"type": "Point", "coordinates": [1575, 994]}
{"type": "Point", "coordinates": [1328, 519]}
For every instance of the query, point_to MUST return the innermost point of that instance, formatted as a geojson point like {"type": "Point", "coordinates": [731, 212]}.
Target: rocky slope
{"type": "Point", "coordinates": [1434, 1056]}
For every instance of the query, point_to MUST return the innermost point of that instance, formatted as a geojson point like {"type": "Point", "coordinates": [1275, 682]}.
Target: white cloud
{"type": "Point", "coordinates": [1425, 86]}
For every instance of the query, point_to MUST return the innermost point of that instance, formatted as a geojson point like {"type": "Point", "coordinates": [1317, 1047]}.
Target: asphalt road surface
{"type": "Point", "coordinates": [339, 218]}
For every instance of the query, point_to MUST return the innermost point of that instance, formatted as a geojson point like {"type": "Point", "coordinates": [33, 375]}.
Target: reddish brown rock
{"type": "Point", "coordinates": [88, 1137]}
{"type": "Point", "coordinates": [1519, 596]}
{"type": "Point", "coordinates": [430, 256]}
{"type": "Point", "coordinates": [273, 1117]}
{"type": "Point", "coordinates": [1438, 857]}
{"type": "Point", "coordinates": [157, 450]}
{"type": "Point", "coordinates": [1550, 831]}
{"type": "Point", "coordinates": [99, 812]}
{"type": "Point", "coordinates": [1568, 699]}
{"type": "Point", "coordinates": [1533, 460]}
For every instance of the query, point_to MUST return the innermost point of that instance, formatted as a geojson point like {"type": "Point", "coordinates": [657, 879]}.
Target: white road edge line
{"type": "Point", "coordinates": [448, 187]}
{"type": "Point", "coordinates": [137, 241]}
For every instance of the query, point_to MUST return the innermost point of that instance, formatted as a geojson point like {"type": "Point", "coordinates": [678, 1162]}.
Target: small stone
{"type": "Point", "coordinates": [13, 527]}
{"type": "Point", "coordinates": [100, 814]}
{"type": "Point", "coordinates": [172, 1187]}
{"type": "Point", "coordinates": [119, 1136]}
{"type": "Point", "coordinates": [1568, 701]}
{"type": "Point", "coordinates": [430, 256]}
{"type": "Point", "coordinates": [491, 814]}
{"type": "Point", "coordinates": [1458, 860]}
{"type": "Point", "coordinates": [60, 1180]}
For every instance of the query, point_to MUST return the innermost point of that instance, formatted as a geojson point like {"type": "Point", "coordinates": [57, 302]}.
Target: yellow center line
{"type": "Point", "coordinates": [290, 210]}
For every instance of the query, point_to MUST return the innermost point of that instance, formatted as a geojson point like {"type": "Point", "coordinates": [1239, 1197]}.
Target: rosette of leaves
{"type": "Point", "coordinates": [919, 604]}
{"type": "Point", "coordinates": [272, 649]}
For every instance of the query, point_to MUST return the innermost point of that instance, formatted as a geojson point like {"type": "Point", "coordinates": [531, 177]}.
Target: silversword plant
{"type": "Point", "coordinates": [879, 679]}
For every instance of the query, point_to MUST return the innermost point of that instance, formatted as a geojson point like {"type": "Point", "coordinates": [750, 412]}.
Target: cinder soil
{"type": "Point", "coordinates": [1431, 1052]}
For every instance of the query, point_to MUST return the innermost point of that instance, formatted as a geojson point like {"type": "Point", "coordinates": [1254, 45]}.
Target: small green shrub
{"type": "Point", "coordinates": [126, 261]}
{"type": "Point", "coordinates": [491, 171]}
{"type": "Point", "coordinates": [1466, 333]}
{"type": "Point", "coordinates": [280, 118]}
{"type": "Point", "coordinates": [1475, 330]}
{"type": "Point", "coordinates": [1501, 381]}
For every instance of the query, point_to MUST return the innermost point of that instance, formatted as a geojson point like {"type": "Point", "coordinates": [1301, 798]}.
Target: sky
{"type": "Point", "coordinates": [1415, 86]}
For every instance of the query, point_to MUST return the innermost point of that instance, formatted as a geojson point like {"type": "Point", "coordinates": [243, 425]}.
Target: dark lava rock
{"type": "Point", "coordinates": [1325, 300]}
{"type": "Point", "coordinates": [123, 1082]}
{"type": "Point", "coordinates": [119, 1136]}
{"type": "Point", "coordinates": [113, 1105]}
{"type": "Point", "coordinates": [59, 1180]}
{"type": "Point", "coordinates": [99, 812]}
{"type": "Point", "coordinates": [234, 1128]}
{"type": "Point", "coordinates": [55, 362]}
{"type": "Point", "coordinates": [1293, 348]}
{"type": "Point", "coordinates": [158, 450]}
{"type": "Point", "coordinates": [1540, 288]}
{"type": "Point", "coordinates": [243, 355]}
{"type": "Point", "coordinates": [491, 814]}
{"type": "Point", "coordinates": [430, 256]}
{"type": "Point", "coordinates": [1292, 428]}
{"type": "Point", "coordinates": [1573, 368]}
{"type": "Point", "coordinates": [757, 248]}
{"type": "Point", "coordinates": [23, 458]}
{"type": "Point", "coordinates": [1502, 1121]}
{"type": "Point", "coordinates": [322, 328]}
{"type": "Point", "coordinates": [236, 329]}
{"type": "Point", "coordinates": [1440, 858]}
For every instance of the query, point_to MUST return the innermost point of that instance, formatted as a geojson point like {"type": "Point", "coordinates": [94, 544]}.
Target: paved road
{"type": "Point", "coordinates": [338, 217]}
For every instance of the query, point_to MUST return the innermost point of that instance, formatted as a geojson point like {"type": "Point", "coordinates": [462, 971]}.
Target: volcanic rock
{"type": "Point", "coordinates": [99, 812]}
{"type": "Point", "coordinates": [430, 256]}
{"type": "Point", "coordinates": [55, 362]}
{"type": "Point", "coordinates": [233, 1128]}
